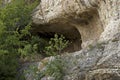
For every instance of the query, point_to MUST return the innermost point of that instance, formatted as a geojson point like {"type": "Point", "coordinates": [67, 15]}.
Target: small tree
{"type": "Point", "coordinates": [14, 24]}
{"type": "Point", "coordinates": [56, 45]}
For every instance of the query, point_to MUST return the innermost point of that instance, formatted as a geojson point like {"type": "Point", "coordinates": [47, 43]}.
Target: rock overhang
{"type": "Point", "coordinates": [67, 30]}
{"type": "Point", "coordinates": [86, 27]}
{"type": "Point", "coordinates": [102, 60]}
{"type": "Point", "coordinates": [75, 19]}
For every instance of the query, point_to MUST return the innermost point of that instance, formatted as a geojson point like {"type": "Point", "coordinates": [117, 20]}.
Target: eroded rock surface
{"type": "Point", "coordinates": [95, 20]}
{"type": "Point", "coordinates": [97, 23]}
{"type": "Point", "coordinates": [99, 62]}
{"type": "Point", "coordinates": [68, 17]}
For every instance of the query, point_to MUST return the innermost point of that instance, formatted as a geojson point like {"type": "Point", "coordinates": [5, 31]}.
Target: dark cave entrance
{"type": "Point", "coordinates": [68, 31]}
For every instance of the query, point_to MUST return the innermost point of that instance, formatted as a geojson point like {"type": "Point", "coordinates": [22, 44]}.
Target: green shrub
{"type": "Point", "coordinates": [53, 68]}
{"type": "Point", "coordinates": [56, 45]}
{"type": "Point", "coordinates": [16, 41]}
{"type": "Point", "coordinates": [15, 22]}
{"type": "Point", "coordinates": [8, 65]}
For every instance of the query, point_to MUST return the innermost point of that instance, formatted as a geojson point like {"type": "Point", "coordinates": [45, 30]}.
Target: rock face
{"type": "Point", "coordinates": [93, 20]}
{"type": "Point", "coordinates": [99, 62]}
{"type": "Point", "coordinates": [96, 23]}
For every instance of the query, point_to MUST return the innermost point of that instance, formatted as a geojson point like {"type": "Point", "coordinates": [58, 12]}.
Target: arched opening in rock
{"type": "Point", "coordinates": [81, 29]}
{"type": "Point", "coordinates": [89, 26]}
{"type": "Point", "coordinates": [67, 30]}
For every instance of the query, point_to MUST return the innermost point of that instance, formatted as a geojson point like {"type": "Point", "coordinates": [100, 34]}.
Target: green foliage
{"type": "Point", "coordinates": [2, 27]}
{"type": "Point", "coordinates": [56, 45]}
{"type": "Point", "coordinates": [54, 68]}
{"type": "Point", "coordinates": [16, 14]}
{"type": "Point", "coordinates": [90, 46]}
{"type": "Point", "coordinates": [115, 40]}
{"type": "Point", "coordinates": [17, 42]}
{"type": "Point", "coordinates": [8, 67]}
{"type": "Point", "coordinates": [15, 22]}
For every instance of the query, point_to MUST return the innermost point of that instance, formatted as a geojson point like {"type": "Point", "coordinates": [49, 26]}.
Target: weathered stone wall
{"type": "Point", "coordinates": [109, 11]}
{"type": "Point", "coordinates": [95, 20]}
{"type": "Point", "coordinates": [99, 62]}
{"type": "Point", "coordinates": [98, 23]}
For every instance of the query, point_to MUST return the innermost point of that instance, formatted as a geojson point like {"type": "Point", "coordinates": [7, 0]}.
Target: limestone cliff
{"type": "Point", "coordinates": [96, 23]}
{"type": "Point", "coordinates": [89, 20]}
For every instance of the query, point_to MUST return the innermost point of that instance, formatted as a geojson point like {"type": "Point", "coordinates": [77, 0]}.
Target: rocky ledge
{"type": "Point", "coordinates": [94, 25]}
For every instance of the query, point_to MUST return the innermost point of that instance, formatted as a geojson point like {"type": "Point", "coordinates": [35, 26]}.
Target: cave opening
{"type": "Point", "coordinates": [70, 33]}
{"type": "Point", "coordinates": [83, 30]}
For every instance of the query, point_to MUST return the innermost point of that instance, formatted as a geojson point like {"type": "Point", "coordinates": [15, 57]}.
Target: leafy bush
{"type": "Point", "coordinates": [16, 41]}
{"type": "Point", "coordinates": [15, 22]}
{"type": "Point", "coordinates": [53, 68]}
{"type": "Point", "coordinates": [56, 45]}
